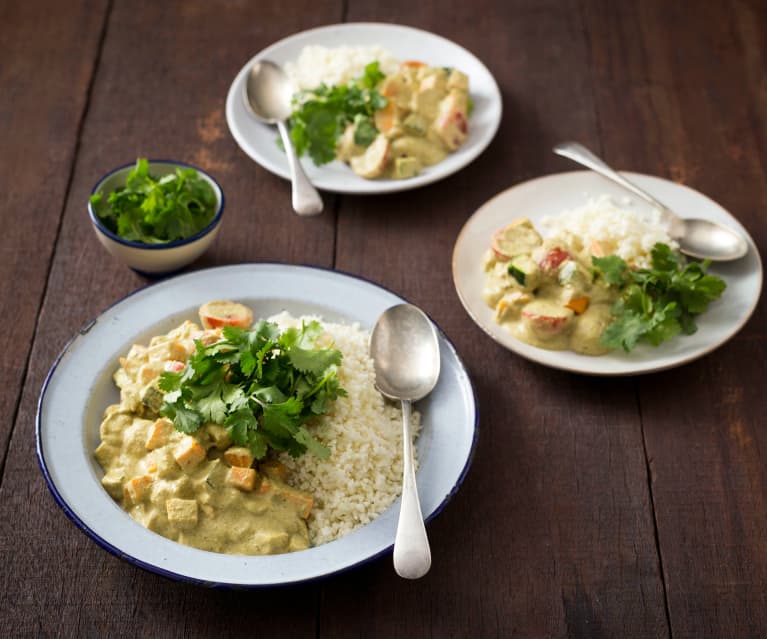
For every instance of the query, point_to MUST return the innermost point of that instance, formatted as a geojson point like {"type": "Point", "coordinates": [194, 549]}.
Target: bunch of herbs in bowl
{"type": "Point", "coordinates": [156, 216]}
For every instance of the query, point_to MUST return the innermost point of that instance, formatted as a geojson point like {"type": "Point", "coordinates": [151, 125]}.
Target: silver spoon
{"type": "Point", "coordinates": [405, 352]}
{"type": "Point", "coordinates": [698, 238]}
{"type": "Point", "coordinates": [268, 92]}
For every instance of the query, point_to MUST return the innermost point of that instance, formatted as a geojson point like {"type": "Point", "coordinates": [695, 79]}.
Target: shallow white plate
{"type": "Point", "coordinates": [259, 141]}
{"type": "Point", "coordinates": [79, 387]}
{"type": "Point", "coordinates": [553, 194]}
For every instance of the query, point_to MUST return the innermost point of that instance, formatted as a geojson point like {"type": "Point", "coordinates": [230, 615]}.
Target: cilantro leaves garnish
{"type": "Point", "coordinates": [657, 303]}
{"type": "Point", "coordinates": [321, 115]}
{"type": "Point", "coordinates": [157, 210]}
{"type": "Point", "coordinates": [262, 384]}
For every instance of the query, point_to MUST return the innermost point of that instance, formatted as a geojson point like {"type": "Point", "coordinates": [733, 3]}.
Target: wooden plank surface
{"type": "Point", "coordinates": [557, 501]}
{"type": "Point", "coordinates": [697, 120]}
{"type": "Point", "coordinates": [158, 91]}
{"type": "Point", "coordinates": [44, 75]}
{"type": "Point", "coordinates": [594, 507]}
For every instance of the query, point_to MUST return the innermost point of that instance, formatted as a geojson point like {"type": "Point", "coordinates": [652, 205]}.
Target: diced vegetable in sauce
{"type": "Point", "coordinates": [560, 295]}
{"type": "Point", "coordinates": [200, 489]}
{"type": "Point", "coordinates": [543, 291]}
{"type": "Point", "coordinates": [390, 126]}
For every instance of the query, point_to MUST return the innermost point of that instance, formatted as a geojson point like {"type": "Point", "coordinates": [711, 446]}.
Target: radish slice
{"type": "Point", "coordinates": [223, 313]}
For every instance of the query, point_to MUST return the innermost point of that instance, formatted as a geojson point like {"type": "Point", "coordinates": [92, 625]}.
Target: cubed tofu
{"type": "Point", "coordinates": [238, 456]}
{"type": "Point", "coordinates": [135, 489]}
{"type": "Point", "coordinates": [113, 482]}
{"type": "Point", "coordinates": [302, 501]}
{"type": "Point", "coordinates": [189, 453]}
{"type": "Point", "coordinates": [182, 512]}
{"type": "Point", "coordinates": [158, 433]}
{"type": "Point", "coordinates": [242, 478]}
{"type": "Point", "coordinates": [178, 351]}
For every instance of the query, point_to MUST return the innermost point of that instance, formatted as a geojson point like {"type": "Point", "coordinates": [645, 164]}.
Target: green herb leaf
{"type": "Point", "coordinates": [261, 384]}
{"type": "Point", "coordinates": [659, 303]}
{"type": "Point", "coordinates": [364, 130]}
{"type": "Point", "coordinates": [187, 420]}
{"type": "Point", "coordinates": [155, 211]}
{"type": "Point", "coordinates": [320, 116]}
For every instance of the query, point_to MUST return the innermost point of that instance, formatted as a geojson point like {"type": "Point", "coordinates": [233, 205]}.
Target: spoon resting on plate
{"type": "Point", "coordinates": [405, 352]}
{"type": "Point", "coordinates": [268, 92]}
{"type": "Point", "coordinates": [698, 238]}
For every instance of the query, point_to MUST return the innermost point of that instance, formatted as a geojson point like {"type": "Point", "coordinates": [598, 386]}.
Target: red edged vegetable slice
{"type": "Point", "coordinates": [224, 313]}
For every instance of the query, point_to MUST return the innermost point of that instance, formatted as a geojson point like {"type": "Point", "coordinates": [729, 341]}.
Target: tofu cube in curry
{"type": "Point", "coordinates": [136, 488]}
{"type": "Point", "coordinates": [238, 456]}
{"type": "Point", "coordinates": [158, 434]}
{"type": "Point", "coordinates": [189, 453]}
{"type": "Point", "coordinates": [298, 497]}
{"type": "Point", "coordinates": [241, 478]}
{"type": "Point", "coordinates": [182, 512]}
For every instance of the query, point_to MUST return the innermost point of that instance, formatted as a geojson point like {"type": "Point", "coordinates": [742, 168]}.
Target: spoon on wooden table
{"type": "Point", "coordinates": [405, 352]}
{"type": "Point", "coordinates": [268, 92]}
{"type": "Point", "coordinates": [696, 237]}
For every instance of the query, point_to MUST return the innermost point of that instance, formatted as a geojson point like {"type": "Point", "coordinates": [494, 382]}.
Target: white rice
{"type": "Point", "coordinates": [630, 233]}
{"type": "Point", "coordinates": [363, 475]}
{"type": "Point", "coordinates": [337, 65]}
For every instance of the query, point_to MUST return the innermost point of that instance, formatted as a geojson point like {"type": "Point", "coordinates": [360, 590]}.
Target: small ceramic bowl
{"type": "Point", "coordinates": [155, 259]}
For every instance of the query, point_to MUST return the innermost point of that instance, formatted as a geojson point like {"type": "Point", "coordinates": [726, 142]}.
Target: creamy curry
{"type": "Point", "coordinates": [544, 291]}
{"type": "Point", "coordinates": [425, 119]}
{"type": "Point", "coordinates": [199, 489]}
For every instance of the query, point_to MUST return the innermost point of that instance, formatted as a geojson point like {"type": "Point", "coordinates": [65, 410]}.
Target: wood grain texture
{"type": "Point", "coordinates": [552, 533]}
{"type": "Point", "coordinates": [40, 114]}
{"type": "Point", "coordinates": [159, 91]}
{"type": "Point", "coordinates": [697, 119]}
{"type": "Point", "coordinates": [594, 507]}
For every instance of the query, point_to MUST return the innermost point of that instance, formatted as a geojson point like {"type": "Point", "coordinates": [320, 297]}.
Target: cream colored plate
{"type": "Point", "coordinates": [551, 195]}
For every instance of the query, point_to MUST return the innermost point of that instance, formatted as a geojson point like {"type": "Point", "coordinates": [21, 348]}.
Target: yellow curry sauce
{"type": "Point", "coordinates": [426, 118]}
{"type": "Point", "coordinates": [196, 489]}
{"type": "Point", "coordinates": [544, 291]}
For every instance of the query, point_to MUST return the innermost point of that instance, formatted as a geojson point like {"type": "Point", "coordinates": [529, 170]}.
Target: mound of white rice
{"type": "Point", "coordinates": [629, 232]}
{"type": "Point", "coordinates": [337, 65]}
{"type": "Point", "coordinates": [363, 474]}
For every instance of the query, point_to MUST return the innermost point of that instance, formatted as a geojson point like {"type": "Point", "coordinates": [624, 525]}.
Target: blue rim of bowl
{"type": "Point", "coordinates": [166, 245]}
{"type": "Point", "coordinates": [114, 550]}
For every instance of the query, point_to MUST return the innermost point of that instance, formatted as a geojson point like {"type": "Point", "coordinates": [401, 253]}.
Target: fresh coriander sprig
{"type": "Point", "coordinates": [157, 210]}
{"type": "Point", "coordinates": [657, 303]}
{"type": "Point", "coordinates": [322, 114]}
{"type": "Point", "coordinates": [262, 384]}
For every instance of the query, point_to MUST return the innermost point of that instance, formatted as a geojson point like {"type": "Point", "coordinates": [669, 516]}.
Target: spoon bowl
{"type": "Point", "coordinates": [267, 95]}
{"type": "Point", "coordinates": [405, 351]}
{"type": "Point", "coordinates": [697, 238]}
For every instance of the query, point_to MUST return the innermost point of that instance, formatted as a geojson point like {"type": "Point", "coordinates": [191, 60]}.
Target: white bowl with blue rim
{"type": "Point", "coordinates": [155, 259]}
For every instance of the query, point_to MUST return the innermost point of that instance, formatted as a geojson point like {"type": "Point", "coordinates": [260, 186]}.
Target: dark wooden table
{"type": "Point", "coordinates": [630, 507]}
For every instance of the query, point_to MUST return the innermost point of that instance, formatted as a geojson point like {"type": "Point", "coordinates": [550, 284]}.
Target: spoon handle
{"type": "Point", "coordinates": [581, 155]}
{"type": "Point", "coordinates": [306, 199]}
{"type": "Point", "coordinates": [412, 556]}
